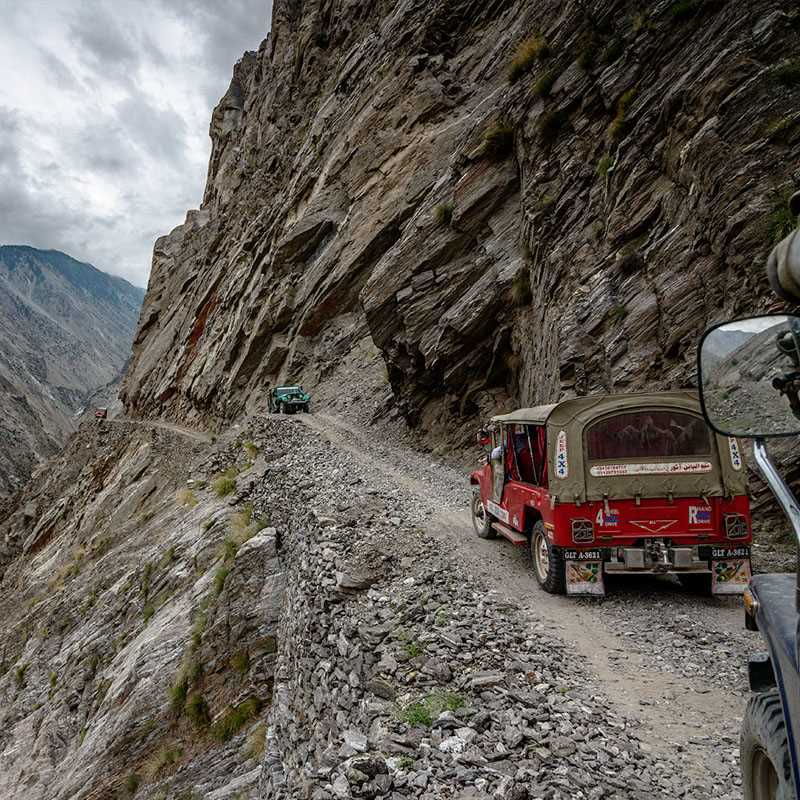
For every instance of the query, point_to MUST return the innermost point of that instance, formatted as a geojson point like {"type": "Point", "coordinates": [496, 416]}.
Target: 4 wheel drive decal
{"type": "Point", "coordinates": [658, 468]}
{"type": "Point", "coordinates": [736, 456]}
{"type": "Point", "coordinates": [699, 515]}
{"type": "Point", "coordinates": [607, 519]}
{"type": "Point", "coordinates": [498, 512]}
{"type": "Point", "coordinates": [562, 464]}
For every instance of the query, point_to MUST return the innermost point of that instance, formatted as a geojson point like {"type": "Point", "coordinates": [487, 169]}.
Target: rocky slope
{"type": "Point", "coordinates": [65, 331]}
{"type": "Point", "coordinates": [376, 173]}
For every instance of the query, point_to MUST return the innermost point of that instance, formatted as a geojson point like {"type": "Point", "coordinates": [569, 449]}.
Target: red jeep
{"type": "Point", "coordinates": [101, 413]}
{"type": "Point", "coordinates": [630, 484]}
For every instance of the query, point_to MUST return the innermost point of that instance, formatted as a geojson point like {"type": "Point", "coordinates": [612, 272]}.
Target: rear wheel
{"type": "Point", "coordinates": [481, 520]}
{"type": "Point", "coordinates": [548, 562]}
{"type": "Point", "coordinates": [305, 408]}
{"type": "Point", "coordinates": [764, 750]}
{"type": "Point", "coordinates": [697, 582]}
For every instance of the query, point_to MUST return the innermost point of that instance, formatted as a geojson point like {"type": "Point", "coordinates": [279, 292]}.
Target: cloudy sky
{"type": "Point", "coordinates": [104, 114]}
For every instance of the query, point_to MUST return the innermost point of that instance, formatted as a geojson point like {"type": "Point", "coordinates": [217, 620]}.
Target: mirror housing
{"type": "Point", "coordinates": [749, 376]}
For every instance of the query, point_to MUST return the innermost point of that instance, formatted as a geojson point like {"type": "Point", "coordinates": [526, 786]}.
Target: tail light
{"type": "Point", "coordinates": [582, 531]}
{"type": "Point", "coordinates": [735, 526]}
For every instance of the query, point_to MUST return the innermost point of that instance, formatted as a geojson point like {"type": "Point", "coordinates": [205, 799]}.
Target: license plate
{"type": "Point", "coordinates": [583, 555]}
{"type": "Point", "coordinates": [730, 552]}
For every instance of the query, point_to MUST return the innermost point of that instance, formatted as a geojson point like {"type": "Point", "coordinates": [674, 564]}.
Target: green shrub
{"type": "Point", "coordinates": [788, 73]}
{"type": "Point", "coordinates": [684, 9]}
{"type": "Point", "coordinates": [177, 694]}
{"type": "Point", "coordinates": [19, 676]}
{"type": "Point", "coordinates": [229, 725]}
{"type": "Point", "coordinates": [196, 710]}
{"type": "Point", "coordinates": [604, 165]}
{"type": "Point", "coordinates": [220, 576]}
{"type": "Point", "coordinates": [240, 661]}
{"type": "Point", "coordinates": [642, 22]}
{"type": "Point", "coordinates": [525, 56]}
{"type": "Point", "coordinates": [498, 141]}
{"type": "Point", "coordinates": [223, 485]}
{"type": "Point", "coordinates": [544, 83]}
{"type": "Point", "coordinates": [147, 612]}
{"type": "Point", "coordinates": [251, 449]}
{"type": "Point", "coordinates": [780, 222]}
{"type": "Point", "coordinates": [521, 293]}
{"type": "Point", "coordinates": [414, 649]}
{"type": "Point", "coordinates": [53, 679]}
{"type": "Point", "coordinates": [425, 711]}
{"type": "Point", "coordinates": [620, 124]}
{"type": "Point", "coordinates": [550, 125]}
{"type": "Point", "coordinates": [167, 757]}
{"type": "Point", "coordinates": [779, 130]}
{"type": "Point", "coordinates": [131, 784]}
{"type": "Point", "coordinates": [443, 214]}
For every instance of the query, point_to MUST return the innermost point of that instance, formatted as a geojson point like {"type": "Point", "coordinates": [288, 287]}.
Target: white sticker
{"type": "Point", "coordinates": [608, 519]}
{"type": "Point", "coordinates": [585, 577]}
{"type": "Point", "coordinates": [499, 512]}
{"type": "Point", "coordinates": [699, 515]}
{"type": "Point", "coordinates": [665, 468]}
{"type": "Point", "coordinates": [562, 464]}
{"type": "Point", "coordinates": [736, 456]}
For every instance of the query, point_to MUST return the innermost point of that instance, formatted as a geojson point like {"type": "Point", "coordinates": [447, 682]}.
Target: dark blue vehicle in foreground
{"type": "Point", "coordinates": [749, 376]}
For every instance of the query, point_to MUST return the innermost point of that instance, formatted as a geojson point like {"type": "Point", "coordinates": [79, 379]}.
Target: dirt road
{"type": "Point", "coordinates": [674, 663]}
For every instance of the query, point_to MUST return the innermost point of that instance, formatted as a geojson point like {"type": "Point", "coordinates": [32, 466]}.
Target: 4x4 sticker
{"type": "Point", "coordinates": [736, 456]}
{"type": "Point", "coordinates": [658, 468]}
{"type": "Point", "coordinates": [562, 464]}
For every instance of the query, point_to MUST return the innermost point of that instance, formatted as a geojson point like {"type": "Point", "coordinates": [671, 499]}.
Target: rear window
{"type": "Point", "coordinates": [647, 434]}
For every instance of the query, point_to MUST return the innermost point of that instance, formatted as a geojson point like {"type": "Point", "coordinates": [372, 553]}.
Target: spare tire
{"type": "Point", "coordinates": [764, 750]}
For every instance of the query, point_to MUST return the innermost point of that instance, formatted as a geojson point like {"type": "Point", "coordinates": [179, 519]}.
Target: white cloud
{"type": "Point", "coordinates": [104, 113]}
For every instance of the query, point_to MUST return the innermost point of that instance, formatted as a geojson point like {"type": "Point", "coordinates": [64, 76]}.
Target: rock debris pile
{"type": "Point", "coordinates": [399, 676]}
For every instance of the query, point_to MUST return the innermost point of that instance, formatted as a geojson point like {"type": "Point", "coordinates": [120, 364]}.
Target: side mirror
{"type": "Point", "coordinates": [749, 376]}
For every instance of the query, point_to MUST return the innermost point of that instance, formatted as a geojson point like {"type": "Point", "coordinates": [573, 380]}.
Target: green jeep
{"type": "Point", "coordinates": [288, 400]}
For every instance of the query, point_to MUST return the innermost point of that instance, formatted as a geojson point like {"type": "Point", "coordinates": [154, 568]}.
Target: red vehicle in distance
{"type": "Point", "coordinates": [617, 484]}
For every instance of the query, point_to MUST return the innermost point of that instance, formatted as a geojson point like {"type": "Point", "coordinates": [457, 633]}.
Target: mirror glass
{"type": "Point", "coordinates": [750, 376]}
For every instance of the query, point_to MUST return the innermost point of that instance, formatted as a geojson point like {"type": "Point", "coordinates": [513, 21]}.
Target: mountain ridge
{"type": "Point", "coordinates": [66, 329]}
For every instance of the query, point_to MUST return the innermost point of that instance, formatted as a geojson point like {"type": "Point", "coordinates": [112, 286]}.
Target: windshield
{"type": "Point", "coordinates": [288, 389]}
{"type": "Point", "coordinates": [647, 434]}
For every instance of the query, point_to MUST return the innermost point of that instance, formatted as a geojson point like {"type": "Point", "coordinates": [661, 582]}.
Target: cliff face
{"type": "Point", "coordinates": [376, 173]}
{"type": "Point", "coordinates": [65, 331]}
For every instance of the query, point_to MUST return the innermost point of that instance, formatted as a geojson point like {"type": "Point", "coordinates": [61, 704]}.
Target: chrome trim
{"type": "Point", "coordinates": [784, 494]}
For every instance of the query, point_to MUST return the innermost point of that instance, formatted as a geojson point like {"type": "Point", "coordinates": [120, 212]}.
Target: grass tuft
{"type": "Point", "coordinates": [550, 125]}
{"type": "Point", "coordinates": [525, 57]}
{"type": "Point", "coordinates": [223, 485]}
{"type": "Point", "coordinates": [617, 313]}
{"type": "Point", "coordinates": [257, 741]}
{"type": "Point", "coordinates": [621, 124]}
{"type": "Point", "coordinates": [231, 723]}
{"type": "Point", "coordinates": [521, 289]}
{"type": "Point", "coordinates": [787, 74]}
{"type": "Point", "coordinates": [186, 498]}
{"type": "Point", "coordinates": [423, 712]}
{"type": "Point", "coordinates": [220, 576]}
{"type": "Point", "coordinates": [780, 223]}
{"type": "Point", "coordinates": [196, 710]}
{"type": "Point", "coordinates": [443, 214]}
{"type": "Point", "coordinates": [543, 85]}
{"type": "Point", "coordinates": [604, 165]}
{"type": "Point", "coordinates": [251, 449]}
{"type": "Point", "coordinates": [19, 676]}
{"type": "Point", "coordinates": [498, 141]}
{"type": "Point", "coordinates": [240, 661]}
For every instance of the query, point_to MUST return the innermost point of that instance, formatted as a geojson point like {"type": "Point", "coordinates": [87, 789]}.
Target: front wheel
{"type": "Point", "coordinates": [281, 408]}
{"type": "Point", "coordinates": [305, 408]}
{"type": "Point", "coordinates": [481, 520]}
{"type": "Point", "coordinates": [764, 750]}
{"type": "Point", "coordinates": [548, 562]}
